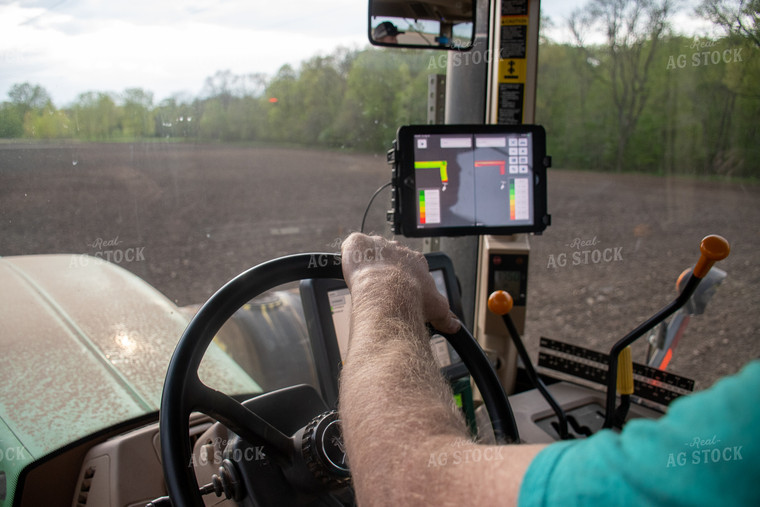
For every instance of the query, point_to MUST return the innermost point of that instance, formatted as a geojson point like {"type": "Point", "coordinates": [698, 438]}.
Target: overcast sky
{"type": "Point", "coordinates": [171, 46]}
{"type": "Point", "coordinates": [165, 46]}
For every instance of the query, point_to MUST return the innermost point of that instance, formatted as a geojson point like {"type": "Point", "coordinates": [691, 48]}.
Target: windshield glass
{"type": "Point", "coordinates": [651, 113]}
{"type": "Point", "coordinates": [184, 146]}
{"type": "Point", "coordinates": [188, 141]}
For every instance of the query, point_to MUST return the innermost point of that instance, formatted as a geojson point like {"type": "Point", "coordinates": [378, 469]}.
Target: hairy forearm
{"type": "Point", "coordinates": [396, 407]}
{"type": "Point", "coordinates": [405, 439]}
{"type": "Point", "coordinates": [391, 357]}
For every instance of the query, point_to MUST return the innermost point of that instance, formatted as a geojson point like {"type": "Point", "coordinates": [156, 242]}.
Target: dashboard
{"type": "Point", "coordinates": [122, 465]}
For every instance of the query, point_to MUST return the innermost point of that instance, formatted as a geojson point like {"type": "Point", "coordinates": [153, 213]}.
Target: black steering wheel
{"type": "Point", "coordinates": [184, 393]}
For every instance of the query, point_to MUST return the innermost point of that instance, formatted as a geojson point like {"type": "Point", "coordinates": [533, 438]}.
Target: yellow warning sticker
{"type": "Point", "coordinates": [513, 70]}
{"type": "Point", "coordinates": [513, 63]}
{"type": "Point", "coordinates": [514, 20]}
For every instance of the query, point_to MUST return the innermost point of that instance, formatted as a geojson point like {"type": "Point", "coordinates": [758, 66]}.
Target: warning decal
{"type": "Point", "coordinates": [513, 63]}
{"type": "Point", "coordinates": [513, 70]}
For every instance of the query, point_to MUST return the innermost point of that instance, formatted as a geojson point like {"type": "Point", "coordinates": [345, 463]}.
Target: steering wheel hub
{"type": "Point", "coordinates": [323, 451]}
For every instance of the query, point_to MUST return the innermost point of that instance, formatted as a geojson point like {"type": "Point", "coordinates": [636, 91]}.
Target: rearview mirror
{"type": "Point", "coordinates": [431, 24]}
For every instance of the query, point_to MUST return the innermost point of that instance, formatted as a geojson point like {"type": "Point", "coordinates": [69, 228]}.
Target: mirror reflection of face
{"type": "Point", "coordinates": [390, 39]}
{"type": "Point", "coordinates": [386, 33]}
{"type": "Point", "coordinates": [443, 24]}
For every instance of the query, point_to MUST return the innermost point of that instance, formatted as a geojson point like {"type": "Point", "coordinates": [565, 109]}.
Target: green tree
{"type": "Point", "coordinates": [29, 97]}
{"type": "Point", "coordinates": [25, 98]}
{"type": "Point", "coordinates": [231, 109]}
{"type": "Point", "coordinates": [736, 17]}
{"type": "Point", "coordinates": [96, 116]}
{"type": "Point", "coordinates": [137, 115]}
{"type": "Point", "coordinates": [177, 116]}
{"type": "Point", "coordinates": [47, 123]}
{"type": "Point", "coordinates": [385, 89]}
{"type": "Point", "coordinates": [633, 30]}
{"type": "Point", "coordinates": [11, 121]}
{"type": "Point", "coordinates": [284, 106]}
{"type": "Point", "coordinates": [320, 89]}
{"type": "Point", "coordinates": [570, 105]}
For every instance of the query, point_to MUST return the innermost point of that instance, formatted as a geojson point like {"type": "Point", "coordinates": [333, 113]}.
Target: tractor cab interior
{"type": "Point", "coordinates": [580, 176]}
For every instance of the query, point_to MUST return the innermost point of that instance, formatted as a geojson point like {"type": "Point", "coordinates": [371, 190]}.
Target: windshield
{"type": "Point", "coordinates": [188, 141]}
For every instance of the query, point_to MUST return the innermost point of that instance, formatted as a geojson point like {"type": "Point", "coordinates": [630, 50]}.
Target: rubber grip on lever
{"type": "Point", "coordinates": [625, 372]}
{"type": "Point", "coordinates": [713, 248]}
{"type": "Point", "coordinates": [500, 302]}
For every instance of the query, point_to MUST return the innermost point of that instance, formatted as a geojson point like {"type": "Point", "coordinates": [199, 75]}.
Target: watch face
{"type": "Point", "coordinates": [333, 449]}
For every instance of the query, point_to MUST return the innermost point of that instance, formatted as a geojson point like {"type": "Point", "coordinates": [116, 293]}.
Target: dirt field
{"type": "Point", "coordinates": [194, 216]}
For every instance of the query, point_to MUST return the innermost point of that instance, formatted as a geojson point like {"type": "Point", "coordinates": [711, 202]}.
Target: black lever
{"type": "Point", "coordinates": [500, 303]}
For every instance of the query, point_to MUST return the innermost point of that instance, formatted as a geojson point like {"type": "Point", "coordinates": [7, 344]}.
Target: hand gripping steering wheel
{"type": "Point", "coordinates": [184, 392]}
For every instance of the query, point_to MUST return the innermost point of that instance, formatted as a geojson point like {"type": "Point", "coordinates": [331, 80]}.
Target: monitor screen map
{"type": "Point", "coordinates": [473, 180]}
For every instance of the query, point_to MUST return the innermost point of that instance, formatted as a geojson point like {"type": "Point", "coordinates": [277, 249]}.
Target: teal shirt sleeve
{"type": "Point", "coordinates": [704, 451]}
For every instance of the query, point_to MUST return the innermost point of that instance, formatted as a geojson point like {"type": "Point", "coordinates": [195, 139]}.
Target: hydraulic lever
{"type": "Point", "coordinates": [664, 338]}
{"type": "Point", "coordinates": [624, 386]}
{"type": "Point", "coordinates": [500, 303]}
{"type": "Point", "coordinates": [713, 248]}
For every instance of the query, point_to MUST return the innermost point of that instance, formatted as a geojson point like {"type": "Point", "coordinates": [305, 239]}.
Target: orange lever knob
{"type": "Point", "coordinates": [682, 279]}
{"type": "Point", "coordinates": [713, 248]}
{"type": "Point", "coordinates": [500, 302]}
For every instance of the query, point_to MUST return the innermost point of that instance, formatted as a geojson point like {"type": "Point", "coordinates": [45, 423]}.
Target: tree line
{"type": "Point", "coordinates": [650, 100]}
{"type": "Point", "coordinates": [352, 99]}
{"type": "Point", "coordinates": [646, 99]}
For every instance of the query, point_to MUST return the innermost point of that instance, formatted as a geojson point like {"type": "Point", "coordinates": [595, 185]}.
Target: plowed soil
{"type": "Point", "coordinates": [196, 215]}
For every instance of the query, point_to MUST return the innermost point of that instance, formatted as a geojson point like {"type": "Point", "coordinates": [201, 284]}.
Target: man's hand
{"type": "Point", "coordinates": [372, 263]}
{"type": "Point", "coordinates": [400, 422]}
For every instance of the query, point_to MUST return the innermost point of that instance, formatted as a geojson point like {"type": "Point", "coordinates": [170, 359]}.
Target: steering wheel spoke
{"type": "Point", "coordinates": [235, 416]}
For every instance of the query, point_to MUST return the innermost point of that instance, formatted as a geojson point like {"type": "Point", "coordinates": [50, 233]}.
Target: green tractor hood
{"type": "Point", "coordinates": [84, 345]}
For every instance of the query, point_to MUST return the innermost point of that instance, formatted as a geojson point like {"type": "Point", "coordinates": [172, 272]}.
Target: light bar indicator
{"type": "Point", "coordinates": [511, 199]}
{"type": "Point", "coordinates": [422, 206]}
{"type": "Point", "coordinates": [519, 199]}
{"type": "Point", "coordinates": [430, 206]}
